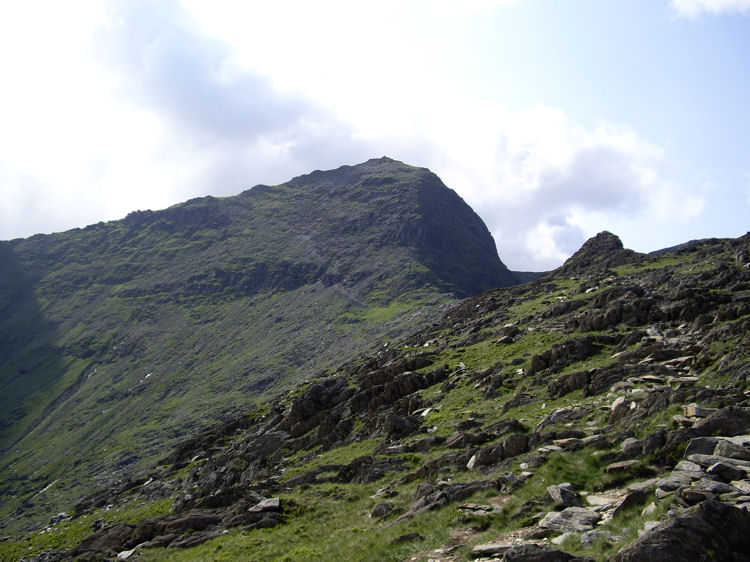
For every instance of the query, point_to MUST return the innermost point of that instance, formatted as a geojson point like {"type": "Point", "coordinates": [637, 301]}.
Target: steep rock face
{"type": "Point", "coordinates": [384, 202]}
{"type": "Point", "coordinates": [119, 338]}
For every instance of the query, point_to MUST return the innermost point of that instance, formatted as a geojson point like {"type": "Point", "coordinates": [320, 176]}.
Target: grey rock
{"type": "Point", "coordinates": [408, 537]}
{"type": "Point", "coordinates": [490, 549]}
{"type": "Point", "coordinates": [621, 466]}
{"type": "Point", "coordinates": [590, 537]}
{"type": "Point", "coordinates": [690, 495]}
{"type": "Point", "coordinates": [653, 442]}
{"type": "Point", "coordinates": [677, 479]}
{"type": "Point", "coordinates": [709, 531]}
{"type": "Point", "coordinates": [728, 421]}
{"type": "Point", "coordinates": [702, 446]}
{"type": "Point", "coordinates": [431, 496]}
{"type": "Point", "coordinates": [571, 519]}
{"type": "Point", "coordinates": [650, 509]}
{"type": "Point", "coordinates": [644, 485]}
{"type": "Point", "coordinates": [194, 539]}
{"type": "Point", "coordinates": [743, 485]}
{"type": "Point", "coordinates": [726, 471]}
{"type": "Point", "coordinates": [725, 448]}
{"type": "Point", "coordinates": [383, 509]}
{"type": "Point", "coordinates": [564, 494]}
{"type": "Point", "coordinates": [714, 487]}
{"type": "Point", "coordinates": [707, 460]}
{"type": "Point", "coordinates": [269, 504]}
{"type": "Point", "coordinates": [62, 516]}
{"type": "Point", "coordinates": [398, 426]}
{"type": "Point", "coordinates": [515, 444]}
{"type": "Point", "coordinates": [696, 411]}
{"type": "Point", "coordinates": [687, 466]}
{"type": "Point", "coordinates": [633, 498]}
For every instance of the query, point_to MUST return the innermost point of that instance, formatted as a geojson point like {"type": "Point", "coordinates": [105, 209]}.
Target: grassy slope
{"type": "Point", "coordinates": [331, 521]}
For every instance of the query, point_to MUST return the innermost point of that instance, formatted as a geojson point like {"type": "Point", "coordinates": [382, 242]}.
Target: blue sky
{"type": "Point", "coordinates": [553, 119]}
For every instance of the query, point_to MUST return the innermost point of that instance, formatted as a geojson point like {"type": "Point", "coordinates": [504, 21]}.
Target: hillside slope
{"type": "Point", "coordinates": [601, 412]}
{"type": "Point", "coordinates": [120, 338]}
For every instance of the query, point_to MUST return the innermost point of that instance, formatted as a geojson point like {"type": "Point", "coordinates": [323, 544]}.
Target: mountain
{"type": "Point", "coordinates": [600, 412]}
{"type": "Point", "coordinates": [122, 337]}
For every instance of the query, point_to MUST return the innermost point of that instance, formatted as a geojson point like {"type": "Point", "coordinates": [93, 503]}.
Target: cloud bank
{"type": "Point", "coordinates": [156, 110]}
{"type": "Point", "coordinates": [232, 120]}
{"type": "Point", "coordinates": [544, 183]}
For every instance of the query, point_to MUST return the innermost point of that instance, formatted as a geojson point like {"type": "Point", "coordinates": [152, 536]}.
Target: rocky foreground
{"type": "Point", "coordinates": [600, 412]}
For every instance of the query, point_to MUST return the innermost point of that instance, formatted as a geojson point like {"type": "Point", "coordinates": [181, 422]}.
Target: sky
{"type": "Point", "coordinates": [553, 119]}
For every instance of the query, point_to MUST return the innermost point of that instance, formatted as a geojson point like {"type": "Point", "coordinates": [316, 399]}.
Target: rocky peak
{"type": "Point", "coordinates": [384, 201]}
{"type": "Point", "coordinates": [599, 253]}
{"type": "Point", "coordinates": [605, 241]}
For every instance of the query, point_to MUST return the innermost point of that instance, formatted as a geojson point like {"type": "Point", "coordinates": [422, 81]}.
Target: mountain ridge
{"type": "Point", "coordinates": [600, 412]}
{"type": "Point", "coordinates": [131, 333]}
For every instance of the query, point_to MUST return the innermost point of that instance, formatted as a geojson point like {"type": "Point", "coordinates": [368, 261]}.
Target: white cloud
{"type": "Point", "coordinates": [453, 8]}
{"type": "Point", "coordinates": [674, 204]}
{"type": "Point", "coordinates": [150, 113]}
{"type": "Point", "coordinates": [693, 9]}
{"type": "Point", "coordinates": [159, 110]}
{"type": "Point", "coordinates": [541, 181]}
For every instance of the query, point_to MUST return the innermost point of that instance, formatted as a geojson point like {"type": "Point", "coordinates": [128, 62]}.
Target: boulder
{"type": "Point", "coordinates": [431, 496]}
{"type": "Point", "coordinates": [111, 539]}
{"type": "Point", "coordinates": [563, 494]}
{"type": "Point", "coordinates": [702, 446]}
{"type": "Point", "coordinates": [675, 480]}
{"type": "Point", "coordinates": [707, 460]}
{"type": "Point", "coordinates": [408, 537]}
{"type": "Point", "coordinates": [194, 539]}
{"type": "Point", "coordinates": [383, 509]}
{"type": "Point", "coordinates": [621, 466]}
{"type": "Point", "coordinates": [710, 531]}
{"type": "Point", "coordinates": [632, 499]}
{"type": "Point", "coordinates": [690, 495]}
{"type": "Point", "coordinates": [696, 411]}
{"type": "Point", "coordinates": [715, 487]}
{"type": "Point", "coordinates": [568, 383]}
{"type": "Point", "coordinates": [595, 535]}
{"type": "Point", "coordinates": [571, 519]}
{"type": "Point", "coordinates": [728, 421]}
{"type": "Point", "coordinates": [515, 444]}
{"type": "Point", "coordinates": [399, 426]}
{"type": "Point", "coordinates": [726, 471]}
{"type": "Point", "coordinates": [725, 448]}
{"type": "Point", "coordinates": [269, 504]}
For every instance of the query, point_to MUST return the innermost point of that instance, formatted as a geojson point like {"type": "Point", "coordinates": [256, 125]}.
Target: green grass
{"type": "Point", "coordinates": [326, 522]}
{"type": "Point", "coordinates": [304, 461]}
{"type": "Point", "coordinates": [67, 534]}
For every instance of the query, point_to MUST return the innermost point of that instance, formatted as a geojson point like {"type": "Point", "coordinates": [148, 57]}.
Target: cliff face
{"type": "Point", "coordinates": [122, 337]}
